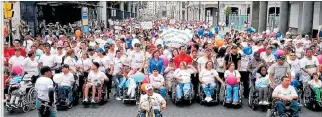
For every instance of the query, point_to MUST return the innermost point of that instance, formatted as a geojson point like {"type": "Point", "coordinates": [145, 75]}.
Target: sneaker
{"type": "Point", "coordinates": [14, 106]}
{"type": "Point", "coordinates": [206, 99]}
{"type": "Point", "coordinates": [85, 100]}
{"type": "Point", "coordinates": [228, 101]}
{"type": "Point", "coordinates": [93, 101]}
{"type": "Point", "coordinates": [265, 103]}
{"type": "Point", "coordinates": [235, 103]}
{"type": "Point", "coordinates": [260, 103]}
{"type": "Point", "coordinates": [118, 98]}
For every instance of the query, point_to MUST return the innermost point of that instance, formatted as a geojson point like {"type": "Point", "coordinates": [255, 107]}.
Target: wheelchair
{"type": "Point", "coordinates": [61, 98]}
{"type": "Point", "coordinates": [309, 99]}
{"type": "Point", "coordinates": [214, 96]}
{"type": "Point", "coordinates": [240, 93]}
{"type": "Point", "coordinates": [253, 96]}
{"type": "Point", "coordinates": [101, 95]}
{"type": "Point", "coordinates": [127, 98]}
{"type": "Point", "coordinates": [27, 101]}
{"type": "Point", "coordinates": [188, 97]}
{"type": "Point", "coordinates": [272, 112]}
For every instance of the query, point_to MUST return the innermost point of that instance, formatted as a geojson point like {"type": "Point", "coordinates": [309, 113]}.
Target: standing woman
{"type": "Point", "coordinates": [203, 60]}
{"type": "Point", "coordinates": [69, 60]}
{"type": "Point", "coordinates": [84, 66]}
{"type": "Point", "coordinates": [30, 66]}
{"type": "Point", "coordinates": [155, 62]}
{"type": "Point", "coordinates": [59, 59]}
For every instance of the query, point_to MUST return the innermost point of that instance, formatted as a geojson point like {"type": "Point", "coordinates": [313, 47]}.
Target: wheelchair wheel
{"type": "Point", "coordinates": [251, 99]}
{"type": "Point", "coordinates": [31, 98]}
{"type": "Point", "coordinates": [124, 95]}
{"type": "Point", "coordinates": [26, 107]}
{"type": "Point", "coordinates": [307, 97]}
{"type": "Point", "coordinates": [75, 95]}
{"type": "Point", "coordinates": [173, 88]}
{"type": "Point", "coordinates": [201, 94]}
{"type": "Point", "coordinates": [105, 94]}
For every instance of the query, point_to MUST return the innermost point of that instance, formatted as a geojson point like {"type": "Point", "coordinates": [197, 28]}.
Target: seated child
{"type": "Point", "coordinates": [17, 89]}
{"type": "Point", "coordinates": [261, 84]}
{"type": "Point", "coordinates": [128, 82]}
{"type": "Point", "coordinates": [316, 84]}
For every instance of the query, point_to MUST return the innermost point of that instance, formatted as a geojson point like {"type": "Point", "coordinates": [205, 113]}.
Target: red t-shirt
{"type": "Point", "coordinates": [182, 57]}
{"type": "Point", "coordinates": [7, 55]}
{"type": "Point", "coordinates": [22, 52]}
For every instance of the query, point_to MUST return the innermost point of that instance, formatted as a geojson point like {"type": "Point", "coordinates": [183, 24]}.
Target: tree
{"type": "Point", "coordinates": [114, 3]}
{"type": "Point", "coordinates": [227, 13]}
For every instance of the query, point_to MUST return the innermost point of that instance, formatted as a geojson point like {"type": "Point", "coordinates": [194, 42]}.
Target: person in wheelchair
{"type": "Point", "coordinates": [232, 79]}
{"type": "Point", "coordinates": [95, 80]}
{"type": "Point", "coordinates": [151, 102]}
{"type": "Point", "coordinates": [183, 75]}
{"type": "Point", "coordinates": [285, 94]}
{"type": "Point", "coordinates": [65, 82]}
{"type": "Point", "coordinates": [207, 77]}
{"type": "Point", "coordinates": [17, 89]}
{"type": "Point", "coordinates": [262, 83]}
{"type": "Point", "coordinates": [157, 81]}
{"type": "Point", "coordinates": [129, 83]}
{"type": "Point", "coordinates": [316, 85]}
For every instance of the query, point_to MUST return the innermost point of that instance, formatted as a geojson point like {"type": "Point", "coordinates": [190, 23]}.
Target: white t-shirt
{"type": "Point", "coordinates": [156, 80]}
{"type": "Point", "coordinates": [299, 52]}
{"type": "Point", "coordinates": [315, 84]}
{"type": "Point", "coordinates": [117, 65]}
{"type": "Point", "coordinates": [244, 62]}
{"type": "Point", "coordinates": [31, 67]}
{"type": "Point", "coordinates": [53, 51]}
{"type": "Point", "coordinates": [104, 62]}
{"type": "Point", "coordinates": [184, 74]}
{"type": "Point", "coordinates": [220, 64]}
{"type": "Point", "coordinates": [58, 59]}
{"type": "Point", "coordinates": [312, 64]}
{"type": "Point", "coordinates": [155, 100]}
{"type": "Point", "coordinates": [208, 76]}
{"type": "Point", "coordinates": [84, 64]}
{"type": "Point", "coordinates": [14, 60]}
{"type": "Point", "coordinates": [47, 60]}
{"type": "Point", "coordinates": [42, 86]}
{"type": "Point", "coordinates": [202, 61]}
{"type": "Point", "coordinates": [71, 62]}
{"type": "Point", "coordinates": [95, 78]}
{"type": "Point", "coordinates": [136, 59]}
{"type": "Point", "coordinates": [28, 43]}
{"type": "Point", "coordinates": [295, 66]}
{"type": "Point", "coordinates": [64, 79]}
{"type": "Point", "coordinates": [267, 58]}
{"type": "Point", "coordinates": [287, 92]}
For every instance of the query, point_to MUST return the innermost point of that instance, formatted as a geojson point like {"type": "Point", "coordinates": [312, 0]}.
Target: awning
{"type": "Point", "coordinates": [76, 3]}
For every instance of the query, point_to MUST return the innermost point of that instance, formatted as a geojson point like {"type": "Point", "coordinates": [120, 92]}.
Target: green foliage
{"type": "Point", "coordinates": [228, 11]}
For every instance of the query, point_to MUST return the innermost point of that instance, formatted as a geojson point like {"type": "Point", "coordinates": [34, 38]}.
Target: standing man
{"type": "Point", "coordinates": [45, 103]}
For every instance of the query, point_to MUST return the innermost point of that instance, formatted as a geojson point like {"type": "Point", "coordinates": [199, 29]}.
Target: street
{"type": "Point", "coordinates": [117, 109]}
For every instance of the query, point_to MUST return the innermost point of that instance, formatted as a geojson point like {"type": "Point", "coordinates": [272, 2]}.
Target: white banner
{"type": "Point", "coordinates": [176, 38]}
{"type": "Point", "coordinates": [146, 25]}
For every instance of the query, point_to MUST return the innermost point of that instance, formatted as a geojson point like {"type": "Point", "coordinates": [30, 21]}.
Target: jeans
{"type": "Point", "coordinates": [66, 91]}
{"type": "Point", "coordinates": [186, 87]}
{"type": "Point", "coordinates": [208, 90]}
{"type": "Point", "coordinates": [53, 110]}
{"type": "Point", "coordinates": [232, 89]}
{"type": "Point", "coordinates": [318, 92]}
{"type": "Point", "coordinates": [163, 91]}
{"type": "Point", "coordinates": [156, 112]}
{"type": "Point", "coordinates": [116, 81]}
{"type": "Point", "coordinates": [280, 106]}
{"type": "Point", "coordinates": [263, 93]}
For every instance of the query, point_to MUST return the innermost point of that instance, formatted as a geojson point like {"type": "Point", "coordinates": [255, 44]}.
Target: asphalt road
{"type": "Point", "coordinates": [116, 108]}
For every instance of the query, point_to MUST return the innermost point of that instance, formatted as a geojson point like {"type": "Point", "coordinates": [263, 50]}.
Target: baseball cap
{"type": "Point", "coordinates": [100, 50]}
{"type": "Point", "coordinates": [281, 57]}
{"type": "Point", "coordinates": [148, 87]}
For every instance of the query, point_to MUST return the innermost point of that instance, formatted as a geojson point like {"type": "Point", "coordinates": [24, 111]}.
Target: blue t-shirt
{"type": "Point", "coordinates": [129, 43]}
{"type": "Point", "coordinates": [16, 80]}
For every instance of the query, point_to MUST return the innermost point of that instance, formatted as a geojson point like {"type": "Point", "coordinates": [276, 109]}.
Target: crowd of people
{"type": "Point", "coordinates": [230, 60]}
